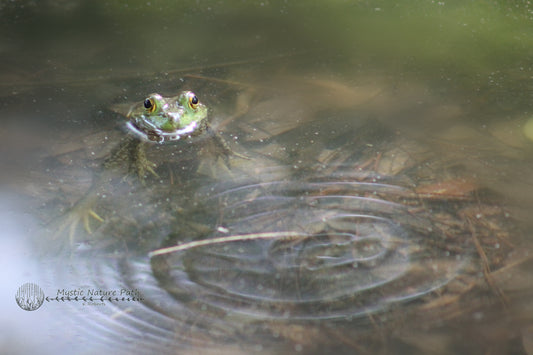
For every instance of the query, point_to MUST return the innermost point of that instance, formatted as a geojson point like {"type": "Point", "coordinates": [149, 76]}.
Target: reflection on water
{"type": "Point", "coordinates": [382, 212]}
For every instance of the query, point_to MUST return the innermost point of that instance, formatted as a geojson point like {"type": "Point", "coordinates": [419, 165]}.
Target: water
{"type": "Point", "coordinates": [384, 206]}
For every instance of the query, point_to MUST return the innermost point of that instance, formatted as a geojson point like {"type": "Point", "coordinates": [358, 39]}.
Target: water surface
{"type": "Point", "coordinates": [384, 205]}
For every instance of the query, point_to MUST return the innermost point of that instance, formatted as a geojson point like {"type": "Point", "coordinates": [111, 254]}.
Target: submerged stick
{"type": "Point", "coordinates": [228, 239]}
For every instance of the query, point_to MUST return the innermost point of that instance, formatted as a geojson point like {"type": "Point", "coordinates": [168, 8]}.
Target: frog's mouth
{"type": "Point", "coordinates": [149, 132]}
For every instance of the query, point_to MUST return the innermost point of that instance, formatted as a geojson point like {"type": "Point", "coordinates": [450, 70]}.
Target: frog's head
{"type": "Point", "coordinates": [162, 119]}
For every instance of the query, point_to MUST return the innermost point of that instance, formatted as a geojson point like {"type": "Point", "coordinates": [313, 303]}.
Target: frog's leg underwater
{"type": "Point", "coordinates": [132, 151]}
{"type": "Point", "coordinates": [224, 147]}
{"type": "Point", "coordinates": [81, 211]}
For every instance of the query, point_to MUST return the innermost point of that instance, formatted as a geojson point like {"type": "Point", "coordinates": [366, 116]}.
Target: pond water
{"type": "Point", "coordinates": [377, 197]}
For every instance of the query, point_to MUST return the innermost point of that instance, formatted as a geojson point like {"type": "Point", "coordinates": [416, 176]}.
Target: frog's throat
{"type": "Point", "coordinates": [147, 132]}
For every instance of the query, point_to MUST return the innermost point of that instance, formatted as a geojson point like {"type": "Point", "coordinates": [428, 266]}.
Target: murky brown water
{"type": "Point", "coordinates": [384, 206]}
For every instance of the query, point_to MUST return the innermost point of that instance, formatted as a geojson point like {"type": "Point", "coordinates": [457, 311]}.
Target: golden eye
{"type": "Point", "coordinates": [149, 105]}
{"type": "Point", "coordinates": [193, 101]}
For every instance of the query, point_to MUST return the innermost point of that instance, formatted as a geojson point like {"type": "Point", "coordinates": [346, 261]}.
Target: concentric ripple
{"type": "Point", "coordinates": [311, 250]}
{"type": "Point", "coordinates": [283, 251]}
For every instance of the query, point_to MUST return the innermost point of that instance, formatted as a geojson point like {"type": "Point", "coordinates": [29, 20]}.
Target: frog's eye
{"type": "Point", "coordinates": [149, 105]}
{"type": "Point", "coordinates": [193, 101]}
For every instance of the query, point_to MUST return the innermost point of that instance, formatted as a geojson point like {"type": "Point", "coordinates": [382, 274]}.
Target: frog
{"type": "Point", "coordinates": [154, 120]}
{"type": "Point", "coordinates": [160, 120]}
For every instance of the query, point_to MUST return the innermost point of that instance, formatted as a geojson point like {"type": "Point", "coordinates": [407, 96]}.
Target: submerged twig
{"type": "Point", "coordinates": [486, 265]}
{"type": "Point", "coordinates": [98, 77]}
{"type": "Point", "coordinates": [228, 239]}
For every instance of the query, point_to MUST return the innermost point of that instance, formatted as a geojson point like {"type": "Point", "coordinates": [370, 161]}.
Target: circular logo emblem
{"type": "Point", "coordinates": [29, 297]}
